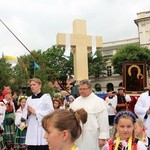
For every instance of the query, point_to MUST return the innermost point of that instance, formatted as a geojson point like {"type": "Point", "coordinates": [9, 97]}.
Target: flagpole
{"type": "Point", "coordinates": [41, 64]}
{"type": "Point", "coordinates": [33, 70]}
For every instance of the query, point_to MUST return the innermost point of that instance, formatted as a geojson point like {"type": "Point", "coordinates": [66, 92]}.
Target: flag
{"type": "Point", "coordinates": [67, 47]}
{"type": "Point", "coordinates": [94, 47]}
{"type": "Point", "coordinates": [36, 66]}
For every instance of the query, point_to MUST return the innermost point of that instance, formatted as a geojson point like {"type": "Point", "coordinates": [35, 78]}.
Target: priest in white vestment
{"type": "Point", "coordinates": [37, 106]}
{"type": "Point", "coordinates": [96, 129]}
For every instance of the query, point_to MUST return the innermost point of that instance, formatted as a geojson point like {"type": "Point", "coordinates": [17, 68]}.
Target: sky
{"type": "Point", "coordinates": [37, 22]}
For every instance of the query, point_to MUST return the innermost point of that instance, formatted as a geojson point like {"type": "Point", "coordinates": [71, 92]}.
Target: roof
{"type": "Point", "coordinates": [10, 58]}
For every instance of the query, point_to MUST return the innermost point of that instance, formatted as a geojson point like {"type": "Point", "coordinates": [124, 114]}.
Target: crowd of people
{"type": "Point", "coordinates": [77, 121]}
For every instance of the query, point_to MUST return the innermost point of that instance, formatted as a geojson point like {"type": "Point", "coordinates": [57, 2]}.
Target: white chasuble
{"type": "Point", "coordinates": [96, 126]}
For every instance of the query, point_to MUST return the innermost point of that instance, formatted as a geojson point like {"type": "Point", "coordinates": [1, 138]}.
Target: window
{"type": "Point", "coordinates": [109, 70]}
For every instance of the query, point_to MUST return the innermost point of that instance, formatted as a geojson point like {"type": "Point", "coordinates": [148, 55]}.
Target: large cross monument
{"type": "Point", "coordinates": [80, 44]}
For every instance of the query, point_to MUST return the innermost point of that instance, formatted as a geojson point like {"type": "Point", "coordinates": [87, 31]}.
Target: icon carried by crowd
{"type": "Point", "coordinates": [74, 120]}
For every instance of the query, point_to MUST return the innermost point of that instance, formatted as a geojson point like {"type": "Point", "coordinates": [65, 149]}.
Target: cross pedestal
{"type": "Point", "coordinates": [80, 44]}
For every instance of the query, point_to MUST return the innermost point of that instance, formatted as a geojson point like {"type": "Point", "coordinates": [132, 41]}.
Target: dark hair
{"type": "Point", "coordinates": [59, 102]}
{"type": "Point", "coordinates": [97, 87]}
{"type": "Point", "coordinates": [64, 119]}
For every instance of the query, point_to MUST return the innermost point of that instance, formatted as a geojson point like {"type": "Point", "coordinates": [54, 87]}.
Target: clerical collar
{"type": "Point", "coordinates": [39, 95]}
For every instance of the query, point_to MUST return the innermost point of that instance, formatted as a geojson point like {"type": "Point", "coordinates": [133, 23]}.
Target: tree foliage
{"type": "Point", "coordinates": [52, 66]}
{"type": "Point", "coordinates": [6, 73]}
{"type": "Point", "coordinates": [58, 65]}
{"type": "Point", "coordinates": [97, 66]}
{"type": "Point", "coordinates": [130, 53]}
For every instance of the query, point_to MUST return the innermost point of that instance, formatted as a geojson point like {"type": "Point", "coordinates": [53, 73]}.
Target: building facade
{"type": "Point", "coordinates": [110, 48]}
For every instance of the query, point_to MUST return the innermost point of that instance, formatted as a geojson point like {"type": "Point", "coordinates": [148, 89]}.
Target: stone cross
{"type": "Point", "coordinates": [80, 44]}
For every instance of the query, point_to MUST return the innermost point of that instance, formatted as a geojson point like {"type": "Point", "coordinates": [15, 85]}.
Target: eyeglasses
{"type": "Point", "coordinates": [83, 89]}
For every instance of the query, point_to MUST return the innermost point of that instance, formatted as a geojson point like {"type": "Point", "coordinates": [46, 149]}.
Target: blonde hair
{"type": "Point", "coordinates": [36, 80]}
{"type": "Point", "coordinates": [140, 123]}
{"type": "Point", "coordinates": [22, 97]}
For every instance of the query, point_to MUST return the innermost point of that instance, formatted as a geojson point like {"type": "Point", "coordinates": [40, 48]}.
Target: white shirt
{"type": "Point", "coordinates": [128, 98]}
{"type": "Point", "coordinates": [2, 113]}
{"type": "Point", "coordinates": [113, 101]}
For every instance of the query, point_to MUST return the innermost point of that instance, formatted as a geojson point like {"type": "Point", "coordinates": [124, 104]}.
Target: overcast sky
{"type": "Point", "coordinates": [37, 22]}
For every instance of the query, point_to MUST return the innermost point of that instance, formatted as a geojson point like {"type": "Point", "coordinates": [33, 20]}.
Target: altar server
{"type": "Point", "coordinates": [37, 106]}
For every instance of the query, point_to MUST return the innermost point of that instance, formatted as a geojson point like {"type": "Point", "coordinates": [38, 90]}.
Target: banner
{"type": "Point", "coordinates": [67, 47]}
{"type": "Point", "coordinates": [94, 47]}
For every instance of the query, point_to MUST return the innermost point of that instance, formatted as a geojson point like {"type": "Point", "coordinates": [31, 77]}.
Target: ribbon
{"type": "Point", "coordinates": [118, 142]}
{"type": "Point", "coordinates": [67, 48]}
{"type": "Point", "coordinates": [94, 47]}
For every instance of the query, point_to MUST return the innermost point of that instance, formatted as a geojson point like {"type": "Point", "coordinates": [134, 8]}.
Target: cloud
{"type": "Point", "coordinates": [36, 23]}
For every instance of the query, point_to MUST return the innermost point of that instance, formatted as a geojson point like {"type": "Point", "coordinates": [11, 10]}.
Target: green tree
{"type": "Point", "coordinates": [21, 73]}
{"type": "Point", "coordinates": [130, 53]}
{"type": "Point", "coordinates": [52, 66]}
{"type": "Point", "coordinates": [96, 66]}
{"type": "Point", "coordinates": [24, 70]}
{"type": "Point", "coordinates": [6, 73]}
{"type": "Point", "coordinates": [58, 66]}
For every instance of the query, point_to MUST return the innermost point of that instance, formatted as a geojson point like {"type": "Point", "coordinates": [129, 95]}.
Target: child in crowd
{"type": "Point", "coordinates": [140, 133]}
{"type": "Point", "coordinates": [124, 133]}
{"type": "Point", "coordinates": [21, 126]}
{"type": "Point", "coordinates": [63, 127]}
{"type": "Point", "coordinates": [111, 101]}
{"type": "Point", "coordinates": [56, 103]}
{"type": "Point", "coordinates": [71, 99]}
